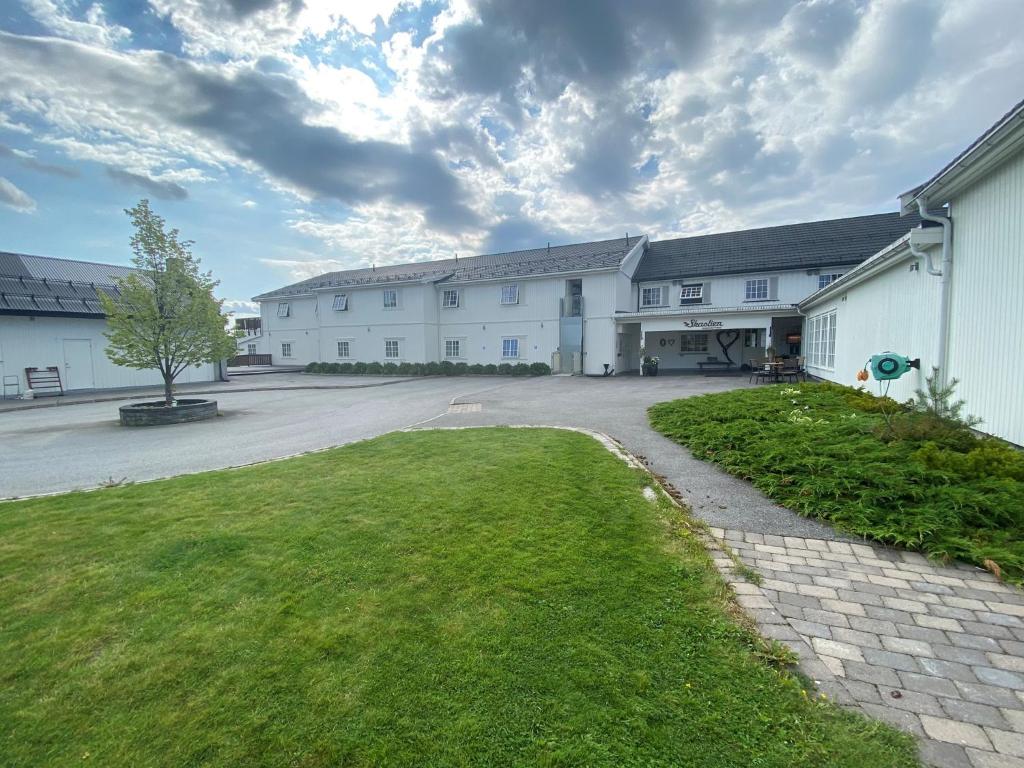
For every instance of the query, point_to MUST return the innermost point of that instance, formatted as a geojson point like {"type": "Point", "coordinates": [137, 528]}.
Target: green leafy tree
{"type": "Point", "coordinates": [165, 315]}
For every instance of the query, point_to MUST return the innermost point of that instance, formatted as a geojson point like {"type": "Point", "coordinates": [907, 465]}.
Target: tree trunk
{"type": "Point", "coordinates": [168, 389]}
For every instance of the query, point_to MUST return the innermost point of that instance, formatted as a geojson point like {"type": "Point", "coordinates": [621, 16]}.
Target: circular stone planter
{"type": "Point", "coordinates": [153, 414]}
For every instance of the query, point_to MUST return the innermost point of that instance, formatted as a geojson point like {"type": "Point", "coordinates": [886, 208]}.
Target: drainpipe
{"type": "Point", "coordinates": [945, 285]}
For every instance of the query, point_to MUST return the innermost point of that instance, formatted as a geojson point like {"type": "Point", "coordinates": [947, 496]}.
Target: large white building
{"type": "Point", "coordinates": [51, 318]}
{"type": "Point", "coordinates": [700, 302]}
{"type": "Point", "coordinates": [949, 293]}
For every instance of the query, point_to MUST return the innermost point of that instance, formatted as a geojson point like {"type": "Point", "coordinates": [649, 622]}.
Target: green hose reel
{"type": "Point", "coordinates": [889, 365]}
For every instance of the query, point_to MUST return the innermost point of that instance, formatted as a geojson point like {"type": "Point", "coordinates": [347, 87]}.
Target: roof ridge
{"type": "Point", "coordinates": [778, 226]}
{"type": "Point", "coordinates": [64, 258]}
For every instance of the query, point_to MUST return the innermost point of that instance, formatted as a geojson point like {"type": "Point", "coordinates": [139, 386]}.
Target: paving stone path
{"type": "Point", "coordinates": [935, 650]}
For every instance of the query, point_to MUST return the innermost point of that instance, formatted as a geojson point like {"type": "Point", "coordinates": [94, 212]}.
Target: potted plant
{"type": "Point", "coordinates": [650, 365]}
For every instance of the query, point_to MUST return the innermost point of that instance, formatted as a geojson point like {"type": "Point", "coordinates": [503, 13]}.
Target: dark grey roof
{"type": "Point", "coordinates": [578, 257]}
{"type": "Point", "coordinates": [833, 243]}
{"type": "Point", "coordinates": [38, 285]}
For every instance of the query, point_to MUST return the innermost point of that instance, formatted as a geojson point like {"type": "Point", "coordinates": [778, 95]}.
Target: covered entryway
{"type": "Point", "coordinates": [78, 370]}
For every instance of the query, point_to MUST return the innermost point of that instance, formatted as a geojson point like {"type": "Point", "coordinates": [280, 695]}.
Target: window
{"type": "Point", "coordinates": [821, 341]}
{"type": "Point", "coordinates": [757, 290]}
{"type": "Point", "coordinates": [391, 349]}
{"type": "Point", "coordinates": [650, 297]}
{"type": "Point", "coordinates": [693, 342]}
{"type": "Point", "coordinates": [340, 302]}
{"type": "Point", "coordinates": [450, 298]}
{"type": "Point", "coordinates": [510, 349]}
{"type": "Point", "coordinates": [344, 349]}
{"type": "Point", "coordinates": [286, 349]}
{"type": "Point", "coordinates": [251, 349]}
{"type": "Point", "coordinates": [510, 294]}
{"type": "Point", "coordinates": [824, 280]}
{"type": "Point", "coordinates": [284, 309]}
{"type": "Point", "coordinates": [691, 294]}
{"type": "Point", "coordinates": [390, 298]}
{"type": "Point", "coordinates": [453, 348]}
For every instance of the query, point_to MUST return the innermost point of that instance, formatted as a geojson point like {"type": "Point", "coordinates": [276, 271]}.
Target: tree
{"type": "Point", "coordinates": [164, 316]}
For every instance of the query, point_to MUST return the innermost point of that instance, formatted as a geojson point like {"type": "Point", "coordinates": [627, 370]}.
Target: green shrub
{"type": "Point", "coordinates": [312, 368]}
{"type": "Point", "coordinates": [476, 369]}
{"type": "Point", "coordinates": [505, 369]}
{"type": "Point", "coordinates": [374, 368]}
{"type": "Point", "coordinates": [910, 478]}
{"type": "Point", "coordinates": [432, 369]}
{"type": "Point", "coordinates": [447, 368]}
{"type": "Point", "coordinates": [390, 369]}
{"type": "Point", "coordinates": [461, 369]}
{"type": "Point", "coordinates": [359, 368]}
{"type": "Point", "coordinates": [521, 369]}
{"type": "Point", "coordinates": [405, 369]}
{"type": "Point", "coordinates": [540, 369]}
{"type": "Point", "coordinates": [332, 368]}
{"type": "Point", "coordinates": [490, 369]}
{"type": "Point", "coordinates": [418, 369]}
{"type": "Point", "coordinates": [345, 368]}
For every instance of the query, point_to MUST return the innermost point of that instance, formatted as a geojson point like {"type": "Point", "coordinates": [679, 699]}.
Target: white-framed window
{"type": "Point", "coordinates": [286, 349]}
{"type": "Point", "coordinates": [693, 342]}
{"type": "Point", "coordinates": [691, 293]}
{"type": "Point", "coordinates": [390, 298]}
{"type": "Point", "coordinates": [510, 348]}
{"type": "Point", "coordinates": [824, 280]}
{"type": "Point", "coordinates": [251, 349]}
{"type": "Point", "coordinates": [757, 289]}
{"type": "Point", "coordinates": [392, 349]}
{"type": "Point", "coordinates": [284, 309]}
{"type": "Point", "coordinates": [510, 293]}
{"type": "Point", "coordinates": [453, 348]}
{"type": "Point", "coordinates": [344, 348]}
{"type": "Point", "coordinates": [650, 297]}
{"type": "Point", "coordinates": [450, 298]}
{"type": "Point", "coordinates": [340, 302]}
{"type": "Point", "coordinates": [821, 340]}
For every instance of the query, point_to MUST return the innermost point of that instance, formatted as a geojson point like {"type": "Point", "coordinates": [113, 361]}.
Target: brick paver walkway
{"type": "Point", "coordinates": [935, 650]}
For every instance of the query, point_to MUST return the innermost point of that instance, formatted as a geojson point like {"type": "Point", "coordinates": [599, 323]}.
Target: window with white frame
{"type": "Point", "coordinates": [693, 342]}
{"type": "Point", "coordinates": [824, 280]}
{"type": "Point", "coordinates": [510, 294]}
{"type": "Point", "coordinates": [390, 298]}
{"type": "Point", "coordinates": [510, 348]}
{"type": "Point", "coordinates": [392, 349]}
{"type": "Point", "coordinates": [340, 302]}
{"type": "Point", "coordinates": [757, 289]}
{"type": "Point", "coordinates": [286, 349]}
{"type": "Point", "coordinates": [284, 309]}
{"type": "Point", "coordinates": [450, 298]}
{"type": "Point", "coordinates": [344, 348]}
{"type": "Point", "coordinates": [251, 349]}
{"type": "Point", "coordinates": [453, 348]}
{"type": "Point", "coordinates": [821, 341]}
{"type": "Point", "coordinates": [650, 297]}
{"type": "Point", "coordinates": [692, 293]}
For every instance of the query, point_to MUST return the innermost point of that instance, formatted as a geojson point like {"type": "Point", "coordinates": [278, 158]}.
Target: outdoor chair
{"type": "Point", "coordinates": [791, 369]}
{"type": "Point", "coordinates": [760, 371]}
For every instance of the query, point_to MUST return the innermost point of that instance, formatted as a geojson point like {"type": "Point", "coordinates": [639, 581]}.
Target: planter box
{"type": "Point", "coordinates": [650, 370]}
{"type": "Point", "coordinates": [152, 414]}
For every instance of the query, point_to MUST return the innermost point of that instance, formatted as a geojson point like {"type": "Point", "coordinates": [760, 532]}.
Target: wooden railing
{"type": "Point", "coordinates": [240, 360]}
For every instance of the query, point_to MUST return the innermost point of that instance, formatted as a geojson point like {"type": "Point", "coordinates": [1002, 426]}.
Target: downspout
{"type": "Point", "coordinates": [945, 284]}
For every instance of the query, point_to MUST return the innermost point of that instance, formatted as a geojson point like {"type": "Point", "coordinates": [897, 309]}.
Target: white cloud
{"type": "Point", "coordinates": [15, 198]}
{"type": "Point", "coordinates": [249, 204]}
{"type": "Point", "coordinates": [95, 29]}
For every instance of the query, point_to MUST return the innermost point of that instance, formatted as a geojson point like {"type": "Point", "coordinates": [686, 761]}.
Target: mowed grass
{"type": "Point", "coordinates": [483, 597]}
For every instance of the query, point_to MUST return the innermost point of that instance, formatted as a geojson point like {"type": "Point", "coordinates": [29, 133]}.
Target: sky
{"type": "Point", "coordinates": [293, 137]}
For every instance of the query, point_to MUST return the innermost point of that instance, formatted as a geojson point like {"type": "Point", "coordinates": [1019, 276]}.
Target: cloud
{"type": "Point", "coordinates": [239, 307]}
{"type": "Point", "coordinates": [249, 204]}
{"type": "Point", "coordinates": [27, 160]}
{"type": "Point", "coordinates": [14, 198]}
{"type": "Point", "coordinates": [93, 29]}
{"type": "Point", "coordinates": [163, 190]}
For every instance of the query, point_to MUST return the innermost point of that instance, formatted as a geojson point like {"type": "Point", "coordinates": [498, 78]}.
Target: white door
{"type": "Point", "coordinates": [77, 364]}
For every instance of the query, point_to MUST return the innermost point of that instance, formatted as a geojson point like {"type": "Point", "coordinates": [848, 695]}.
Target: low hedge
{"type": "Point", "coordinates": [444, 368]}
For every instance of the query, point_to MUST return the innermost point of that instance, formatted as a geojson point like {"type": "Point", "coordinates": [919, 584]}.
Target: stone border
{"type": "Point", "coordinates": [155, 413]}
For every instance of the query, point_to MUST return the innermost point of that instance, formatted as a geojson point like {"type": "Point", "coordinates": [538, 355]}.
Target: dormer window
{"type": "Point", "coordinates": [691, 294]}
{"type": "Point", "coordinates": [340, 302]}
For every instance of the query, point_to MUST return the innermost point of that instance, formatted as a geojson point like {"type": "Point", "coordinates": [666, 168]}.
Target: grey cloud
{"type": "Point", "coordinates": [244, 8]}
{"type": "Point", "coordinates": [32, 163]}
{"type": "Point", "coordinates": [15, 198]}
{"type": "Point", "coordinates": [819, 30]}
{"type": "Point", "coordinates": [611, 147]}
{"type": "Point", "coordinates": [521, 233]}
{"type": "Point", "coordinates": [164, 190]}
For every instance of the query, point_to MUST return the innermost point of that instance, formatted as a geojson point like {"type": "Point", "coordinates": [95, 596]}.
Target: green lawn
{"type": "Point", "coordinates": [826, 451]}
{"type": "Point", "coordinates": [484, 597]}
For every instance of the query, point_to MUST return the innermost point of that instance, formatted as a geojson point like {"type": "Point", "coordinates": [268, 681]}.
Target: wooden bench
{"type": "Point", "coordinates": [715, 363]}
